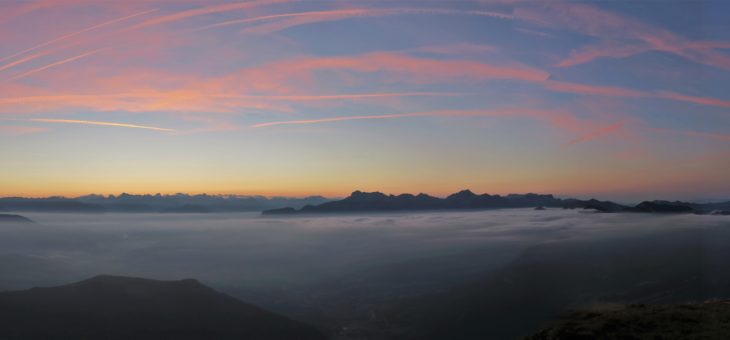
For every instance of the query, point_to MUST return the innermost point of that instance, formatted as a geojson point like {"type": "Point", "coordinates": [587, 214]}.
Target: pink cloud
{"type": "Point", "coordinates": [396, 66]}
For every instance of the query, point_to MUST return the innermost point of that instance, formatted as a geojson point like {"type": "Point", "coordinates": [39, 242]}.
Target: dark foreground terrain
{"type": "Point", "coordinates": [708, 320]}
{"type": "Point", "coordinates": [550, 279]}
{"type": "Point", "coordinates": [109, 307]}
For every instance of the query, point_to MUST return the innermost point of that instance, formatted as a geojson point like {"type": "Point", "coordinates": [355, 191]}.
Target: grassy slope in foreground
{"type": "Point", "coordinates": [707, 320]}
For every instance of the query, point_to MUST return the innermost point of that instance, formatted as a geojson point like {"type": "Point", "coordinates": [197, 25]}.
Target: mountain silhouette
{"type": "Point", "coordinates": [112, 307]}
{"type": "Point", "coordinates": [178, 203]}
{"type": "Point", "coordinates": [360, 201]}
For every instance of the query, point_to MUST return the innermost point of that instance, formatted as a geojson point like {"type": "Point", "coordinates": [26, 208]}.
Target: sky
{"type": "Point", "coordinates": [613, 99]}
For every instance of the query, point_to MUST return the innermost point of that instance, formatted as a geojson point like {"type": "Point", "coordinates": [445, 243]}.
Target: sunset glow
{"type": "Point", "coordinates": [620, 100]}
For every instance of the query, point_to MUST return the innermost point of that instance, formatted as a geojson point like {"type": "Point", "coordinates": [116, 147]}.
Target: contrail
{"type": "Point", "coordinates": [595, 134]}
{"type": "Point", "coordinates": [351, 13]}
{"type": "Point", "coordinates": [22, 61]}
{"type": "Point", "coordinates": [89, 122]}
{"type": "Point", "coordinates": [205, 10]}
{"type": "Point", "coordinates": [77, 33]}
{"type": "Point", "coordinates": [339, 119]}
{"type": "Point", "coordinates": [342, 96]}
{"type": "Point", "coordinates": [709, 135]}
{"type": "Point", "coordinates": [23, 75]}
{"type": "Point", "coordinates": [438, 113]}
{"type": "Point", "coordinates": [30, 99]}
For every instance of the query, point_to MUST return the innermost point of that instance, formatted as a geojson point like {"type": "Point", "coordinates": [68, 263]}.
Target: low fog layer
{"type": "Point", "coordinates": [337, 271]}
{"type": "Point", "coordinates": [249, 250]}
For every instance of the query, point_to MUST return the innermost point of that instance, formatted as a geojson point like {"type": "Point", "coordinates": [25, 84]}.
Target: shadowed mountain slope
{"type": "Point", "coordinates": [109, 307]}
{"type": "Point", "coordinates": [550, 279]}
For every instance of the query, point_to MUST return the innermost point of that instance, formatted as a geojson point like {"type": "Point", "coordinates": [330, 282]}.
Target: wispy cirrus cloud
{"type": "Point", "coordinates": [345, 118]}
{"type": "Point", "coordinates": [22, 60]}
{"type": "Point", "coordinates": [72, 34]}
{"type": "Point", "coordinates": [570, 87]}
{"type": "Point", "coordinates": [690, 133]}
{"type": "Point", "coordinates": [58, 63]}
{"type": "Point", "coordinates": [278, 22]}
{"type": "Point", "coordinates": [181, 15]}
{"type": "Point", "coordinates": [693, 99]}
{"type": "Point", "coordinates": [395, 66]}
{"type": "Point", "coordinates": [588, 130]}
{"type": "Point", "coordinates": [619, 35]}
{"type": "Point", "coordinates": [407, 68]}
{"type": "Point", "coordinates": [199, 100]}
{"type": "Point", "coordinates": [597, 133]}
{"type": "Point", "coordinates": [613, 91]}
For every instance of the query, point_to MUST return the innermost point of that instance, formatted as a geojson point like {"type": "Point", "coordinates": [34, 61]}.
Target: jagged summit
{"type": "Point", "coordinates": [462, 194]}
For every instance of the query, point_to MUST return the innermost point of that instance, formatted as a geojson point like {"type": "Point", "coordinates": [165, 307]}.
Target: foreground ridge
{"type": "Point", "coordinates": [115, 307]}
{"type": "Point", "coordinates": [706, 320]}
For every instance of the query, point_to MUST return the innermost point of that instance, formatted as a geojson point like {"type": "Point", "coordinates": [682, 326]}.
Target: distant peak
{"type": "Point", "coordinates": [360, 194]}
{"type": "Point", "coordinates": [466, 193]}
{"type": "Point", "coordinates": [114, 279]}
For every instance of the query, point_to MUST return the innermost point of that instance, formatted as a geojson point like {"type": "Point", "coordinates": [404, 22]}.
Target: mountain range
{"type": "Point", "coordinates": [178, 203]}
{"type": "Point", "coordinates": [360, 201]}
